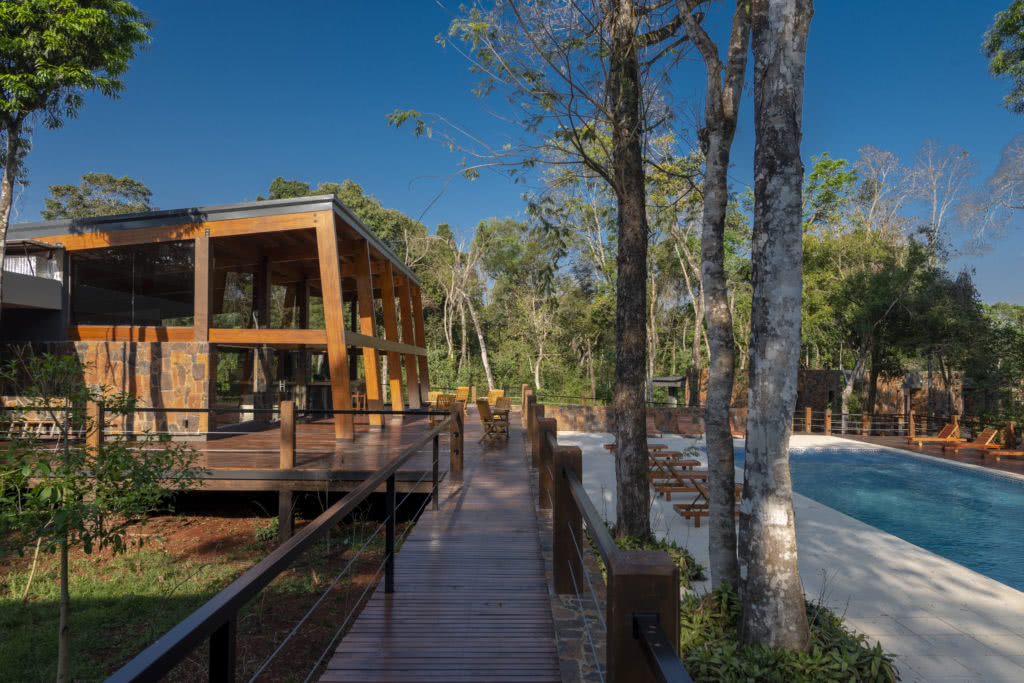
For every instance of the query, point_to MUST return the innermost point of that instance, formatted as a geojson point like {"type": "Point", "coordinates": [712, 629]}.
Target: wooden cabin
{"type": "Point", "coordinates": [269, 298]}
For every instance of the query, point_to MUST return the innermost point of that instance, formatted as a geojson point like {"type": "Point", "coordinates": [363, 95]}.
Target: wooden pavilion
{"type": "Point", "coordinates": [211, 276]}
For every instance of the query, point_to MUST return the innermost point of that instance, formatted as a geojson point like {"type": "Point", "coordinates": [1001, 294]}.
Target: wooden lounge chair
{"type": "Point", "coordinates": [982, 442]}
{"type": "Point", "coordinates": [652, 428]}
{"type": "Point", "coordinates": [997, 454]}
{"type": "Point", "coordinates": [948, 434]}
{"type": "Point", "coordinates": [687, 428]}
{"type": "Point", "coordinates": [668, 478]}
{"type": "Point", "coordinates": [699, 507]}
{"type": "Point", "coordinates": [495, 426]}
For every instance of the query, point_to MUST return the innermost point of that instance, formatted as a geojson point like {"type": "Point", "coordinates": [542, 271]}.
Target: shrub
{"type": "Point", "coordinates": [711, 650]}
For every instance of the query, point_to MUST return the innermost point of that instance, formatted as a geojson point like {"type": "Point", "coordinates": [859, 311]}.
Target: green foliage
{"type": "Point", "coordinates": [711, 651]}
{"type": "Point", "coordinates": [99, 194]}
{"type": "Point", "coordinates": [74, 493]}
{"type": "Point", "coordinates": [689, 569]}
{"type": "Point", "coordinates": [268, 533]}
{"type": "Point", "coordinates": [1004, 46]}
{"type": "Point", "coordinates": [57, 50]}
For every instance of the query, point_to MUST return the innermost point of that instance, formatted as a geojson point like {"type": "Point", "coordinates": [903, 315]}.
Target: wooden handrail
{"type": "Point", "coordinates": [216, 618]}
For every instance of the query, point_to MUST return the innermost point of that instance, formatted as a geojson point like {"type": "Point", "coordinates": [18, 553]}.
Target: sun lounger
{"type": "Point", "coordinates": [948, 434]}
{"type": "Point", "coordinates": [982, 442]}
{"type": "Point", "coordinates": [686, 427]}
{"type": "Point", "coordinates": [652, 428]}
{"type": "Point", "coordinates": [699, 506]}
{"type": "Point", "coordinates": [668, 478]}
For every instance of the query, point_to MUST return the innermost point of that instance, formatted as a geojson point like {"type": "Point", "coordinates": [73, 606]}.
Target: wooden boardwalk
{"type": "Point", "coordinates": [471, 601]}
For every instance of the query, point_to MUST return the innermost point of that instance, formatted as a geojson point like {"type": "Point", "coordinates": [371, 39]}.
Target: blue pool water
{"type": "Point", "coordinates": [973, 518]}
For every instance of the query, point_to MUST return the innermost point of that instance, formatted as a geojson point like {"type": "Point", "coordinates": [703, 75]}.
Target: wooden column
{"type": "Point", "coordinates": [368, 326]}
{"type": "Point", "coordinates": [639, 582]}
{"type": "Point", "coordinates": [285, 512]}
{"type": "Point", "coordinates": [334, 317]}
{"type": "Point", "coordinates": [201, 312]}
{"type": "Point", "coordinates": [387, 293]}
{"type": "Point", "coordinates": [807, 419]}
{"type": "Point", "coordinates": [546, 429]}
{"type": "Point", "coordinates": [421, 341]}
{"type": "Point", "coordinates": [567, 522]}
{"type": "Point", "coordinates": [828, 421]}
{"type": "Point", "coordinates": [412, 384]}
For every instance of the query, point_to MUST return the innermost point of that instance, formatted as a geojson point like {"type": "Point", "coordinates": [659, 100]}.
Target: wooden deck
{"type": "Point", "coordinates": [471, 601]}
{"type": "Point", "coordinates": [250, 462]}
{"type": "Point", "coordinates": [972, 457]}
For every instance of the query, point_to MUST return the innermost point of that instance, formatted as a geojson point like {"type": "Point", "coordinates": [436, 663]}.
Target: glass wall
{"type": "Point", "coordinates": [147, 284]}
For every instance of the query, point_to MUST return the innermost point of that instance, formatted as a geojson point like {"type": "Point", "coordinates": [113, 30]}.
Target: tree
{"type": "Point", "coordinates": [52, 52]}
{"type": "Point", "coordinates": [1004, 46]}
{"type": "Point", "coordinates": [99, 194]}
{"type": "Point", "coordinates": [573, 73]}
{"type": "Point", "coordinates": [76, 494]}
{"type": "Point", "coordinates": [721, 108]}
{"type": "Point", "coordinates": [774, 611]}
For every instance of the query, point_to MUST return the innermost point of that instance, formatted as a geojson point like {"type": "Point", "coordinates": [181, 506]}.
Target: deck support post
{"type": "Point", "coordinates": [547, 430]}
{"type": "Point", "coordinates": [567, 523]}
{"type": "Point", "coordinates": [389, 537]}
{"type": "Point", "coordinates": [435, 473]}
{"type": "Point", "coordinates": [455, 442]}
{"type": "Point", "coordinates": [285, 513]}
{"type": "Point", "coordinates": [640, 582]}
{"type": "Point", "coordinates": [222, 652]}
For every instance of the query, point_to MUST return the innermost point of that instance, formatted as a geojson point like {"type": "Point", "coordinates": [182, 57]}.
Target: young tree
{"type": "Point", "coordinates": [99, 194]}
{"type": "Point", "coordinates": [74, 494]}
{"type": "Point", "coordinates": [721, 107]}
{"type": "Point", "coordinates": [1004, 47]}
{"type": "Point", "coordinates": [52, 52]}
{"type": "Point", "coordinates": [774, 611]}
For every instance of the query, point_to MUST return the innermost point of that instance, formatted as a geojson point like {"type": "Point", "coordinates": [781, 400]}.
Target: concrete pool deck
{"type": "Point", "coordinates": [943, 621]}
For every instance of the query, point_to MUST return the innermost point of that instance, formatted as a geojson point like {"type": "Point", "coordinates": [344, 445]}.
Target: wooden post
{"type": "Point", "coordinates": [583, 399]}
{"type": "Point", "coordinates": [522, 402]}
{"type": "Point", "coordinates": [865, 424]}
{"type": "Point", "coordinates": [387, 293]}
{"type": "Point", "coordinates": [367, 326]}
{"type": "Point", "coordinates": [807, 419]}
{"type": "Point", "coordinates": [472, 394]}
{"type": "Point", "coordinates": [899, 423]}
{"type": "Point", "coordinates": [334, 317]}
{"type": "Point", "coordinates": [639, 581]}
{"type": "Point", "coordinates": [412, 383]}
{"type": "Point", "coordinates": [913, 431]}
{"type": "Point", "coordinates": [203, 298]}
{"type": "Point", "coordinates": [421, 340]}
{"type": "Point", "coordinates": [565, 561]}
{"type": "Point", "coordinates": [530, 414]}
{"type": "Point", "coordinates": [455, 442]}
{"type": "Point", "coordinates": [828, 421]}
{"type": "Point", "coordinates": [547, 430]}
{"type": "Point", "coordinates": [538, 415]}
{"type": "Point", "coordinates": [94, 433]}
{"type": "Point", "coordinates": [285, 512]}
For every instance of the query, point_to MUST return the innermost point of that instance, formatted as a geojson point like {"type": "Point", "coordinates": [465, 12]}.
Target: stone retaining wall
{"type": "Point", "coordinates": [602, 418]}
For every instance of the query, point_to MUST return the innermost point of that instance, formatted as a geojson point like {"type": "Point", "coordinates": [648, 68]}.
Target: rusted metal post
{"type": "Point", "coordinates": [547, 431]}
{"type": "Point", "coordinates": [828, 421]}
{"type": "Point", "coordinates": [94, 429]}
{"type": "Point", "coordinates": [639, 582]}
{"type": "Point", "coordinates": [807, 419]}
{"type": "Point", "coordinates": [455, 442]}
{"type": "Point", "coordinates": [566, 522]}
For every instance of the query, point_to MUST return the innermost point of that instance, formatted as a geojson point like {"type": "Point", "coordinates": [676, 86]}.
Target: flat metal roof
{"type": "Point", "coordinates": [220, 212]}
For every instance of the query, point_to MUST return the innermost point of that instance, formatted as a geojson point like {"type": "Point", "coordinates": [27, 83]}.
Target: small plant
{"type": "Point", "coordinates": [268, 533]}
{"type": "Point", "coordinates": [689, 569]}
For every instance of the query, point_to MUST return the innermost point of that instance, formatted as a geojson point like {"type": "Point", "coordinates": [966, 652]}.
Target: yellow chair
{"type": "Point", "coordinates": [494, 394]}
{"type": "Point", "coordinates": [495, 426]}
{"type": "Point", "coordinates": [442, 402]}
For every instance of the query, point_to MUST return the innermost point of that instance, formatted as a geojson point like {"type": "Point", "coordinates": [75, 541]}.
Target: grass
{"type": "Point", "coordinates": [119, 605]}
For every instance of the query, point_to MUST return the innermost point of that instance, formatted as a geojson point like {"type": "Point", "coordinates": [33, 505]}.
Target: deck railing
{"type": "Point", "coordinates": [216, 620]}
{"type": "Point", "coordinates": [641, 621]}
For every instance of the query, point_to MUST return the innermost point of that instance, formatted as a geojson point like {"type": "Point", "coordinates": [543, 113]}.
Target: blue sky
{"type": "Point", "coordinates": [232, 94]}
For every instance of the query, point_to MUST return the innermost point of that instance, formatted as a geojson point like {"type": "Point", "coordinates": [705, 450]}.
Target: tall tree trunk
{"type": "Point", "coordinates": [720, 111]}
{"type": "Point", "coordinates": [483, 344]}
{"type": "Point", "coordinates": [774, 611]}
{"type": "Point", "coordinates": [869, 406]}
{"type": "Point", "coordinates": [464, 352]}
{"type": "Point", "coordinates": [590, 364]}
{"type": "Point", "coordinates": [623, 94]}
{"type": "Point", "coordinates": [855, 375]}
{"type": "Point", "coordinates": [11, 158]}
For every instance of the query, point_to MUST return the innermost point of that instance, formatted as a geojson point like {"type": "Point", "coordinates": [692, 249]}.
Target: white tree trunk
{"type": "Point", "coordinates": [483, 344]}
{"type": "Point", "coordinates": [774, 611]}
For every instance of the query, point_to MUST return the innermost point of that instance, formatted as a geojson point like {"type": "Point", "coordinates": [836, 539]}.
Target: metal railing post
{"type": "Point", "coordinates": [547, 430]}
{"type": "Point", "coordinates": [437, 443]}
{"type": "Point", "coordinates": [640, 582]}
{"type": "Point", "coordinates": [566, 521]}
{"type": "Point", "coordinates": [222, 653]}
{"type": "Point", "coordinates": [389, 537]}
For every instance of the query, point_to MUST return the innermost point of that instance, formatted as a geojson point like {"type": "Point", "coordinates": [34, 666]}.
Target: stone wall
{"type": "Point", "coordinates": [602, 418]}
{"type": "Point", "coordinates": [158, 374]}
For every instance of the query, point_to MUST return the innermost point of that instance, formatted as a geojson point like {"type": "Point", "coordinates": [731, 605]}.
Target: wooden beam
{"type": "Point", "coordinates": [203, 303]}
{"type": "Point", "coordinates": [367, 326]}
{"type": "Point", "coordinates": [408, 337]}
{"type": "Point", "coordinates": [421, 340]}
{"type": "Point", "coordinates": [129, 333]}
{"type": "Point", "coordinates": [334, 316]}
{"type": "Point", "coordinates": [275, 338]}
{"type": "Point", "coordinates": [391, 334]}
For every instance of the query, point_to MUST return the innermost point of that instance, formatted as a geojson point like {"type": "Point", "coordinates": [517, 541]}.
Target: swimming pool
{"type": "Point", "coordinates": [971, 517]}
